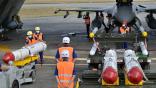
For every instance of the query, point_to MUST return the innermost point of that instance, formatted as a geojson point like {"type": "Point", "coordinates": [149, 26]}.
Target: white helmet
{"type": "Point", "coordinates": [29, 33]}
{"type": "Point", "coordinates": [124, 25]}
{"type": "Point", "coordinates": [66, 40]}
{"type": "Point", "coordinates": [37, 28]}
{"type": "Point", "coordinates": [65, 53]}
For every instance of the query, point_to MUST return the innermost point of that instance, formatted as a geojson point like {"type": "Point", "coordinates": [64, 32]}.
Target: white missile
{"type": "Point", "coordinates": [36, 48]}
{"type": "Point", "coordinates": [95, 30]}
{"type": "Point", "coordinates": [143, 48]}
{"type": "Point", "coordinates": [130, 59]}
{"type": "Point", "coordinates": [93, 49]}
{"type": "Point", "coordinates": [110, 59]}
{"type": "Point", "coordinates": [20, 54]}
{"type": "Point", "coordinates": [110, 72]}
{"type": "Point", "coordinates": [132, 66]}
{"type": "Point", "coordinates": [24, 52]}
{"type": "Point", "coordinates": [142, 29]}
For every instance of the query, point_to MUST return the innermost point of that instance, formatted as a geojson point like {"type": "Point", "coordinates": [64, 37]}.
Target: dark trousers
{"type": "Point", "coordinates": [105, 27]}
{"type": "Point", "coordinates": [125, 45]}
{"type": "Point", "coordinates": [88, 29]}
{"type": "Point", "coordinates": [41, 57]}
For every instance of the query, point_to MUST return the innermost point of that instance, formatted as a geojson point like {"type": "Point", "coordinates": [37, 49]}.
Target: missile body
{"type": "Point", "coordinates": [133, 70]}
{"type": "Point", "coordinates": [24, 52]}
{"type": "Point", "coordinates": [93, 49]}
{"type": "Point", "coordinates": [110, 72]}
{"type": "Point", "coordinates": [143, 48]}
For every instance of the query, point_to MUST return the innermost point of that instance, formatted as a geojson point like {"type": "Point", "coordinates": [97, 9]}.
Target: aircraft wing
{"type": "Point", "coordinates": [87, 9]}
{"type": "Point", "coordinates": [148, 9]}
{"type": "Point", "coordinates": [153, 10]}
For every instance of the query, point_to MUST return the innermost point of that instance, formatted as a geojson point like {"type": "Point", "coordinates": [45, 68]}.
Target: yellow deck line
{"type": "Point", "coordinates": [84, 59]}
{"type": "Point", "coordinates": [4, 48]}
{"type": "Point", "coordinates": [55, 64]}
{"type": "Point", "coordinates": [52, 57]}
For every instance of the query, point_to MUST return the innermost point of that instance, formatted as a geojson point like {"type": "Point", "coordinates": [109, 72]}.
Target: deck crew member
{"type": "Point", "coordinates": [66, 46]}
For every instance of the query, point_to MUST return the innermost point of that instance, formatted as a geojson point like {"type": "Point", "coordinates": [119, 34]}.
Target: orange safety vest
{"type": "Point", "coordinates": [70, 49]}
{"type": "Point", "coordinates": [87, 20]}
{"type": "Point", "coordinates": [65, 74]}
{"type": "Point", "coordinates": [39, 37]}
{"type": "Point", "coordinates": [31, 41]}
{"type": "Point", "coordinates": [123, 31]}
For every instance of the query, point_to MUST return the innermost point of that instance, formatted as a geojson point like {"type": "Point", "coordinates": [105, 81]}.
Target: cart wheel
{"type": "Point", "coordinates": [33, 76]}
{"type": "Point", "coordinates": [15, 84]}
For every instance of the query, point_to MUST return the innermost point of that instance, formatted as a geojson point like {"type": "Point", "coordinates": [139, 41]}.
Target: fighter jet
{"type": "Point", "coordinates": [9, 18]}
{"type": "Point", "coordinates": [123, 12]}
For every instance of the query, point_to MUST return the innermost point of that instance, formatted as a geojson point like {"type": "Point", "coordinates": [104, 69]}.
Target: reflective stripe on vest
{"type": "Point", "coordinates": [70, 49]}
{"type": "Point", "coordinates": [65, 81]}
{"type": "Point", "coordinates": [65, 75]}
{"type": "Point", "coordinates": [65, 72]}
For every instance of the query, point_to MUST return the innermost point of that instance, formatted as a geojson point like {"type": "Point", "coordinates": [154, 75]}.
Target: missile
{"type": "Point", "coordinates": [143, 48]}
{"type": "Point", "coordinates": [93, 49]}
{"type": "Point", "coordinates": [110, 72]}
{"type": "Point", "coordinates": [24, 52]}
{"type": "Point", "coordinates": [133, 69]}
{"type": "Point", "coordinates": [95, 30]}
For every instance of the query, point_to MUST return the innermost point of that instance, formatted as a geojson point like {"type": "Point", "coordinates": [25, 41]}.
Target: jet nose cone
{"type": "Point", "coordinates": [109, 75]}
{"type": "Point", "coordinates": [135, 75]}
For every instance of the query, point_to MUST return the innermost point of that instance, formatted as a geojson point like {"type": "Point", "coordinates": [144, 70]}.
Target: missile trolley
{"type": "Point", "coordinates": [21, 66]}
{"type": "Point", "coordinates": [116, 59]}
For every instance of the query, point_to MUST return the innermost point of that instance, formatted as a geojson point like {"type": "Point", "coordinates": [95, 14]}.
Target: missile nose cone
{"type": "Point", "coordinates": [8, 57]}
{"type": "Point", "coordinates": [109, 75]}
{"type": "Point", "coordinates": [135, 75]}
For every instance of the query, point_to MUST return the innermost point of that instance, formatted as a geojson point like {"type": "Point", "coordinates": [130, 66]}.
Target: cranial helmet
{"type": "Point", "coordinates": [66, 40]}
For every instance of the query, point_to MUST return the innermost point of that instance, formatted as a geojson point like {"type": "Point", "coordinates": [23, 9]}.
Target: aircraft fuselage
{"type": "Point", "coordinates": [124, 13]}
